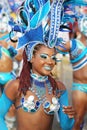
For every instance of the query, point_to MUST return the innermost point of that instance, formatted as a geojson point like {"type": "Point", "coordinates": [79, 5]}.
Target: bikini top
{"type": "Point", "coordinates": [5, 51]}
{"type": "Point", "coordinates": [78, 54]}
{"type": "Point", "coordinates": [6, 76]}
{"type": "Point", "coordinates": [31, 105]}
{"type": "Point", "coordinates": [10, 52]}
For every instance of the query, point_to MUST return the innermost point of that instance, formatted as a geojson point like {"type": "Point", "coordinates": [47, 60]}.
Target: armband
{"type": "Point", "coordinates": [5, 104]}
{"type": "Point", "coordinates": [65, 122]}
{"type": "Point", "coordinates": [5, 77]}
{"type": "Point", "coordinates": [61, 51]}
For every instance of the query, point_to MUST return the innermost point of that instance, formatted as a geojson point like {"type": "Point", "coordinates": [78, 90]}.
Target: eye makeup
{"type": "Point", "coordinates": [46, 56]}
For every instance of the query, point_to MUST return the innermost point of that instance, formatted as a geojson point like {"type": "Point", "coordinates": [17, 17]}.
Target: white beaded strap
{"type": "Point", "coordinates": [55, 22]}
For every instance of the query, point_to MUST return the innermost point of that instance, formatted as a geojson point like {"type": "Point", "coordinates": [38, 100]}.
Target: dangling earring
{"type": "Point", "coordinates": [79, 36]}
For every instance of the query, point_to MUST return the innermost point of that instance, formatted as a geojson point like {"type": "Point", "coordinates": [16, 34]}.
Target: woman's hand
{"type": "Point", "coordinates": [69, 110]}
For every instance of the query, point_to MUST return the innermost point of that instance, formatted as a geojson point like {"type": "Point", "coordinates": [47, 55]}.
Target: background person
{"type": "Point", "coordinates": [77, 50]}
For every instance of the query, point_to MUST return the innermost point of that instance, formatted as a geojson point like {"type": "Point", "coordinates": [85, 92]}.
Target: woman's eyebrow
{"type": "Point", "coordinates": [48, 54]}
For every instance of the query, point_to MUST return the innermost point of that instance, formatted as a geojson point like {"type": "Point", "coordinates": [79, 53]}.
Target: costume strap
{"type": "Point", "coordinates": [55, 22]}
{"type": "Point", "coordinates": [10, 52]}
{"type": "Point", "coordinates": [80, 56]}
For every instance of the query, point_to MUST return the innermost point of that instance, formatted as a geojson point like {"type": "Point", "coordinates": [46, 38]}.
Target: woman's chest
{"type": "Point", "coordinates": [34, 120]}
{"type": "Point", "coordinates": [33, 103]}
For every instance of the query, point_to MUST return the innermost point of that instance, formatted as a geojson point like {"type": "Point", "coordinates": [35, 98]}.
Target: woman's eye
{"type": "Point", "coordinates": [53, 58]}
{"type": "Point", "coordinates": [43, 56]}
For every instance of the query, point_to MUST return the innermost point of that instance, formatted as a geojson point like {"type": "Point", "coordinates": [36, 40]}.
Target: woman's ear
{"type": "Point", "coordinates": [31, 61]}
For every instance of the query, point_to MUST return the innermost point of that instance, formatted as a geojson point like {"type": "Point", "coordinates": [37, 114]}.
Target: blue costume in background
{"type": "Point", "coordinates": [5, 104]}
{"type": "Point", "coordinates": [5, 77]}
{"type": "Point", "coordinates": [78, 60]}
{"type": "Point", "coordinates": [78, 55]}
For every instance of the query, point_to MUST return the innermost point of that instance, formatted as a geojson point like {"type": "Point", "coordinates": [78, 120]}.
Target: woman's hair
{"type": "Point", "coordinates": [25, 82]}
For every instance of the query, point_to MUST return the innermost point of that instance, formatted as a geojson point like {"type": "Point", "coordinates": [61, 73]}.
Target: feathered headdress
{"type": "Point", "coordinates": [30, 23]}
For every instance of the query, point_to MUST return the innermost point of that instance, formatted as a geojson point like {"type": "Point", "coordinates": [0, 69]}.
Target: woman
{"type": "Point", "coordinates": [77, 49]}
{"type": "Point", "coordinates": [36, 95]}
{"type": "Point", "coordinates": [7, 74]}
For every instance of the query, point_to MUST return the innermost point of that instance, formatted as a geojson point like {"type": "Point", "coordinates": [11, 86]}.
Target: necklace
{"type": "Point", "coordinates": [39, 85]}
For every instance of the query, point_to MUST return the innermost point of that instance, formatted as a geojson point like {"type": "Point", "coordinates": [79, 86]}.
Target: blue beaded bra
{"type": "Point", "coordinates": [39, 85]}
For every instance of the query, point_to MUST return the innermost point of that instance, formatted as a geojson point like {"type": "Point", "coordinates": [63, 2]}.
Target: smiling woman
{"type": "Point", "coordinates": [46, 60]}
{"type": "Point", "coordinates": [35, 94]}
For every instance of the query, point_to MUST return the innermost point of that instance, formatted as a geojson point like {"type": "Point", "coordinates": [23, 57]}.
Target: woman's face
{"type": "Point", "coordinates": [43, 61]}
{"type": "Point", "coordinates": [83, 25]}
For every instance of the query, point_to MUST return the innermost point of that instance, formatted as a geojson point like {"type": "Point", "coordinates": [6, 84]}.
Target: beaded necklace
{"type": "Point", "coordinates": [39, 85]}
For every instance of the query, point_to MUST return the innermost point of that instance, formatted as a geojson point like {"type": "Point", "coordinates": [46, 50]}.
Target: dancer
{"type": "Point", "coordinates": [7, 73]}
{"type": "Point", "coordinates": [77, 50]}
{"type": "Point", "coordinates": [35, 94]}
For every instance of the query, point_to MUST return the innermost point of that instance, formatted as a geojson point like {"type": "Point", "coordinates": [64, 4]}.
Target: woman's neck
{"type": "Point", "coordinates": [38, 77]}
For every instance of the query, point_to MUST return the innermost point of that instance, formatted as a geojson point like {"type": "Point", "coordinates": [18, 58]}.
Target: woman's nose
{"type": "Point", "coordinates": [50, 60]}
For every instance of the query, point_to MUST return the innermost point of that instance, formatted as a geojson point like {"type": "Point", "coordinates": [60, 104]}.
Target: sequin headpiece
{"type": "Point", "coordinates": [32, 13]}
{"type": "Point", "coordinates": [29, 24]}
{"type": "Point", "coordinates": [34, 37]}
{"type": "Point", "coordinates": [30, 16]}
{"type": "Point", "coordinates": [82, 20]}
{"type": "Point", "coordinates": [71, 13]}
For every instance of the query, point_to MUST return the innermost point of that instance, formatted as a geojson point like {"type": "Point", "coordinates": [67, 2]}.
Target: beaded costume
{"type": "Point", "coordinates": [39, 85]}
{"type": "Point", "coordinates": [7, 76]}
{"type": "Point", "coordinates": [78, 54]}
{"type": "Point", "coordinates": [30, 26]}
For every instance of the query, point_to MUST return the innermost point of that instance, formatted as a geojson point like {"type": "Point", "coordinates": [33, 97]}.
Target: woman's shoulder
{"type": "Point", "coordinates": [60, 88]}
{"type": "Point", "coordinates": [60, 85]}
{"type": "Point", "coordinates": [11, 89]}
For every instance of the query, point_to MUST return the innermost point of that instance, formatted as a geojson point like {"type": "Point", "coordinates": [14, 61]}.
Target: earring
{"type": "Point", "coordinates": [79, 36]}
